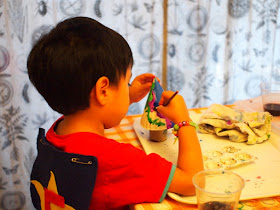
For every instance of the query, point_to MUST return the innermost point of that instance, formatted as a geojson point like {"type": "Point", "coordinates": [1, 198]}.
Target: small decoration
{"type": "Point", "coordinates": [155, 122]}
{"type": "Point", "coordinates": [176, 127]}
{"type": "Point", "coordinates": [151, 119]}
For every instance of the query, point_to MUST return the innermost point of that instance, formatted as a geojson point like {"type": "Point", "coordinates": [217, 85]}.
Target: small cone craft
{"type": "Point", "coordinates": [151, 119]}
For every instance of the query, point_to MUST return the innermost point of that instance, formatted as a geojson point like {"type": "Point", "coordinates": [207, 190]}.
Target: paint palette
{"type": "Point", "coordinates": [226, 158]}
{"type": "Point", "coordinates": [260, 166]}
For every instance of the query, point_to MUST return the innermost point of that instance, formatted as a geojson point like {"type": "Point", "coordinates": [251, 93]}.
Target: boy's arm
{"type": "Point", "coordinates": [190, 157]}
{"type": "Point", "coordinates": [189, 161]}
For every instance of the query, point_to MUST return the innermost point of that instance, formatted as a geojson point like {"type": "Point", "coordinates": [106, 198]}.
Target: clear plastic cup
{"type": "Point", "coordinates": [218, 189]}
{"type": "Point", "coordinates": [271, 97]}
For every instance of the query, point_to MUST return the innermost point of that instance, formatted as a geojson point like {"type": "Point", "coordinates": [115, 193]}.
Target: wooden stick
{"type": "Point", "coordinates": [164, 45]}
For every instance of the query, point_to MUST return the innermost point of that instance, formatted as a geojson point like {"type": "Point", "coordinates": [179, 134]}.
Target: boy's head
{"type": "Point", "coordinates": [65, 64]}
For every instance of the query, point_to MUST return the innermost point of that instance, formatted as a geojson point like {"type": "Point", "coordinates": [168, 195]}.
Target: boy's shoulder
{"type": "Point", "coordinates": [85, 141]}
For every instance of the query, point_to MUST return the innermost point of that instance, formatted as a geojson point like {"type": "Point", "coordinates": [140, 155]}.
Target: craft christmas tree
{"type": "Point", "coordinates": [151, 119]}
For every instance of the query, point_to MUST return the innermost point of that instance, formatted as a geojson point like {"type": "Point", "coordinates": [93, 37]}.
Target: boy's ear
{"type": "Point", "coordinates": [102, 87]}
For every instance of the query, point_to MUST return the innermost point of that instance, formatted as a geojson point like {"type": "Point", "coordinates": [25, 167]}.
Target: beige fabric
{"type": "Point", "coordinates": [249, 127]}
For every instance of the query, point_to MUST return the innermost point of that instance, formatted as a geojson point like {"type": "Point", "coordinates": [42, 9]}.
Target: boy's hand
{"type": "Point", "coordinates": [176, 110]}
{"type": "Point", "coordinates": [140, 86]}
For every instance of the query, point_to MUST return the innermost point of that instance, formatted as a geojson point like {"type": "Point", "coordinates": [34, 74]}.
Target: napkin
{"type": "Point", "coordinates": [238, 126]}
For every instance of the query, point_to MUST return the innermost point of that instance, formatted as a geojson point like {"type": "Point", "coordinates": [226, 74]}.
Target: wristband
{"type": "Point", "coordinates": [184, 123]}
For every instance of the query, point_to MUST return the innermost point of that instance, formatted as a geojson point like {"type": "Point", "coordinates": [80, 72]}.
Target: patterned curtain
{"type": "Point", "coordinates": [218, 51]}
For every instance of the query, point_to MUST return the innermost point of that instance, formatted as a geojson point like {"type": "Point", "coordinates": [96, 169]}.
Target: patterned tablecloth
{"type": "Point", "coordinates": [125, 133]}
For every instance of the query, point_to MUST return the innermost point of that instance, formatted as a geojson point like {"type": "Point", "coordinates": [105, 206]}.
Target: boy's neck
{"type": "Point", "coordinates": [82, 121]}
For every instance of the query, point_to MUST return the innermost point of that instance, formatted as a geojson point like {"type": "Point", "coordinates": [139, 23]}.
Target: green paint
{"type": "Point", "coordinates": [150, 96]}
{"type": "Point", "coordinates": [227, 191]}
{"type": "Point", "coordinates": [153, 122]}
{"type": "Point", "coordinates": [148, 108]}
{"type": "Point", "coordinates": [240, 117]}
{"type": "Point", "coordinates": [268, 135]}
{"type": "Point", "coordinates": [240, 205]}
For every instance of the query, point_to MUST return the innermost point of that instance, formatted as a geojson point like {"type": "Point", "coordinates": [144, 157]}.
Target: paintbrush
{"type": "Point", "coordinates": [168, 101]}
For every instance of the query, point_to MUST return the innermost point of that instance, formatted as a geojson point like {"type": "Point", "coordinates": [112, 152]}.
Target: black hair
{"type": "Point", "coordinates": [65, 64]}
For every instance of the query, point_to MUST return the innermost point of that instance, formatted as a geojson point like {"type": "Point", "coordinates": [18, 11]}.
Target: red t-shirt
{"type": "Point", "coordinates": [125, 174]}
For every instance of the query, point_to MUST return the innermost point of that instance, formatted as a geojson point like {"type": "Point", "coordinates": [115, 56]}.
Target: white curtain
{"type": "Point", "coordinates": [219, 51]}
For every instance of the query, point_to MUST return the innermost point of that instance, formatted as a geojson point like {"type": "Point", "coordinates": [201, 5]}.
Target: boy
{"type": "Point", "coordinates": [83, 69]}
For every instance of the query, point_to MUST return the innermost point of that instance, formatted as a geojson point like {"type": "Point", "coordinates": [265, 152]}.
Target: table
{"type": "Point", "coordinates": [125, 133]}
